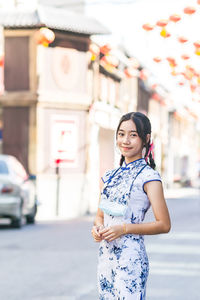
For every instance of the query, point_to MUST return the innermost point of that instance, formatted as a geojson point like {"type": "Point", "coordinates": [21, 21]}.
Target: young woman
{"type": "Point", "coordinates": [126, 196]}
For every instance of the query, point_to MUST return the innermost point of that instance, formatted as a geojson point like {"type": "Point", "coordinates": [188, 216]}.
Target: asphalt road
{"type": "Point", "coordinates": [57, 260]}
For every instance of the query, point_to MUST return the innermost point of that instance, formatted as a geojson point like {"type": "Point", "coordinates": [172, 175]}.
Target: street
{"type": "Point", "coordinates": [56, 260]}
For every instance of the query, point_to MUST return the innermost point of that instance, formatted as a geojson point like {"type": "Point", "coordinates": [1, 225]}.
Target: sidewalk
{"type": "Point", "coordinates": [181, 192]}
{"type": "Point", "coordinates": [169, 194]}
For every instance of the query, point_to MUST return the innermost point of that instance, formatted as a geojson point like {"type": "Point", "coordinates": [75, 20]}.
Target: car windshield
{"type": "Point", "coordinates": [3, 167]}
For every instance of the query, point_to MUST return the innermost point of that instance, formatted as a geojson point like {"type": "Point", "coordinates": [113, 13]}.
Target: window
{"type": "Point", "coordinates": [16, 63]}
{"type": "Point", "coordinates": [3, 167]}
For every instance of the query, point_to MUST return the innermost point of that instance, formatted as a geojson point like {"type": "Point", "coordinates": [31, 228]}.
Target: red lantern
{"type": "Point", "coordinates": [185, 56]}
{"type": "Point", "coordinates": [197, 51]}
{"type": "Point", "coordinates": [164, 33]}
{"type": "Point", "coordinates": [1, 60]}
{"type": "Point", "coordinates": [45, 36]}
{"type": "Point", "coordinates": [105, 49]}
{"type": "Point", "coordinates": [181, 83]}
{"type": "Point", "coordinates": [172, 62]}
{"type": "Point", "coordinates": [175, 18]}
{"type": "Point", "coordinates": [191, 69]}
{"type": "Point", "coordinates": [189, 73]}
{"type": "Point", "coordinates": [182, 39]}
{"type": "Point", "coordinates": [189, 10]}
{"type": "Point", "coordinates": [157, 59]}
{"type": "Point", "coordinates": [170, 59]}
{"type": "Point", "coordinates": [198, 1]}
{"type": "Point", "coordinates": [130, 72]}
{"type": "Point", "coordinates": [174, 73]}
{"type": "Point", "coordinates": [156, 97]}
{"type": "Point", "coordinates": [162, 23]}
{"type": "Point", "coordinates": [197, 44]}
{"type": "Point", "coordinates": [192, 87]}
{"type": "Point", "coordinates": [148, 27]}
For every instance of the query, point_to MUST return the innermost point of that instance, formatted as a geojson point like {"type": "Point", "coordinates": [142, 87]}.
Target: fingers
{"type": "Point", "coordinates": [95, 233]}
{"type": "Point", "coordinates": [109, 234]}
{"type": "Point", "coordinates": [104, 230]}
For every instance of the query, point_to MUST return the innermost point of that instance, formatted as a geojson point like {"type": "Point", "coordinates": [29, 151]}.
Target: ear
{"type": "Point", "coordinates": [148, 138]}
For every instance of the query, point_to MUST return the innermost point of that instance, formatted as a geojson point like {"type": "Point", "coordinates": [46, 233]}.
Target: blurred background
{"type": "Point", "coordinates": [68, 70]}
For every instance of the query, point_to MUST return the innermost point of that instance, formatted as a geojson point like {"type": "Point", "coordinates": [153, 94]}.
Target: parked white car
{"type": "Point", "coordinates": [17, 192]}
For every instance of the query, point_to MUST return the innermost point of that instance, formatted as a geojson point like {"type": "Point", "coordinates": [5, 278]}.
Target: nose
{"type": "Point", "coordinates": [126, 140]}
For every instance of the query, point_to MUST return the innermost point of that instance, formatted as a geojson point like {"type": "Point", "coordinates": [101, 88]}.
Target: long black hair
{"type": "Point", "coordinates": [143, 127]}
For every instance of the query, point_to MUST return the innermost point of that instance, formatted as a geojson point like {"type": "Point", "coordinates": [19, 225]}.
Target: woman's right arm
{"type": "Point", "coordinates": [99, 219]}
{"type": "Point", "coordinates": [98, 225]}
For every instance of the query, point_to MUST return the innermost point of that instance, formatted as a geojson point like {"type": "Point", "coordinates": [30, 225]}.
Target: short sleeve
{"type": "Point", "coordinates": [150, 175]}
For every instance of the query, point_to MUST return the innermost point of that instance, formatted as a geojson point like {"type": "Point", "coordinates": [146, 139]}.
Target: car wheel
{"type": "Point", "coordinates": [17, 222]}
{"type": "Point", "coordinates": [30, 219]}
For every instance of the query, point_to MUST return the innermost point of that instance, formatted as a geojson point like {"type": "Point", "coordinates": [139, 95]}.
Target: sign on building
{"type": "Point", "coordinates": [64, 140]}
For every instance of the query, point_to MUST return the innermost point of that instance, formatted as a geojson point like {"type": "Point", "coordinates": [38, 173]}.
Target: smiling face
{"type": "Point", "coordinates": [129, 142]}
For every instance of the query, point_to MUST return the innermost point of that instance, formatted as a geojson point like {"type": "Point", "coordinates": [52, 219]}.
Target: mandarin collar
{"type": "Point", "coordinates": [133, 163]}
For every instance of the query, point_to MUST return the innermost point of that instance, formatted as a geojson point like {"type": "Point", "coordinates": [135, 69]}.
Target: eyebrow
{"type": "Point", "coordinates": [129, 131]}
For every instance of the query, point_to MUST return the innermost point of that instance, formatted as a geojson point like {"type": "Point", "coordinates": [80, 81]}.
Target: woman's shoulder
{"type": "Point", "coordinates": [150, 174]}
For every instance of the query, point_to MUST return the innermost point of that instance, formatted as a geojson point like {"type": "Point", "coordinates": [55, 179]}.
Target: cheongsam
{"type": "Point", "coordinates": [123, 263]}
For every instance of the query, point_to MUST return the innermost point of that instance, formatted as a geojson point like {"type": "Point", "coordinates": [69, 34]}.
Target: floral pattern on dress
{"type": "Point", "coordinates": [123, 265]}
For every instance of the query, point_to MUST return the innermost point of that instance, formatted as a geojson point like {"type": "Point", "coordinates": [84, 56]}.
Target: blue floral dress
{"type": "Point", "coordinates": [123, 263]}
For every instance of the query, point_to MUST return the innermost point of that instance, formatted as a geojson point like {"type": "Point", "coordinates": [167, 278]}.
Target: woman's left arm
{"type": "Point", "coordinates": [162, 222]}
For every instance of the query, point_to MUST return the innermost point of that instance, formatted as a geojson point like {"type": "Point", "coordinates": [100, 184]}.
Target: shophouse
{"type": "Point", "coordinates": [62, 103]}
{"type": "Point", "coordinates": [46, 101]}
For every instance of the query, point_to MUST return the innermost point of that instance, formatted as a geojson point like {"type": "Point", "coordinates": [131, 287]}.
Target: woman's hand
{"type": "Point", "coordinates": [96, 233]}
{"type": "Point", "coordinates": [111, 233]}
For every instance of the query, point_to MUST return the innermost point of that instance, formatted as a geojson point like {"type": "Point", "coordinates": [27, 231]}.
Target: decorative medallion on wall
{"type": "Point", "coordinates": [69, 68]}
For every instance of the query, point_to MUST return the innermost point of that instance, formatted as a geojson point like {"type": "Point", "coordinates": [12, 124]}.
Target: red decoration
{"type": "Point", "coordinates": [185, 56]}
{"type": "Point", "coordinates": [172, 62]}
{"type": "Point", "coordinates": [130, 72]}
{"type": "Point", "coordinates": [164, 33]}
{"type": "Point", "coordinates": [44, 36]}
{"type": "Point", "coordinates": [170, 59]}
{"type": "Point", "coordinates": [198, 1]}
{"type": "Point", "coordinates": [157, 59]}
{"type": "Point", "coordinates": [175, 18]}
{"type": "Point", "coordinates": [1, 60]}
{"type": "Point", "coordinates": [197, 51]}
{"type": "Point", "coordinates": [148, 27]}
{"type": "Point", "coordinates": [192, 88]}
{"type": "Point", "coordinates": [181, 83]}
{"type": "Point", "coordinates": [197, 44]}
{"type": "Point", "coordinates": [105, 49]}
{"type": "Point", "coordinates": [174, 73]}
{"type": "Point", "coordinates": [182, 39]}
{"type": "Point", "coordinates": [57, 161]}
{"type": "Point", "coordinates": [189, 73]}
{"type": "Point", "coordinates": [156, 97]}
{"type": "Point", "coordinates": [189, 10]}
{"type": "Point", "coordinates": [162, 23]}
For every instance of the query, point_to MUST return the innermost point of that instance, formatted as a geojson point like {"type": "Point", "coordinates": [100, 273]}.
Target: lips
{"type": "Point", "coordinates": [126, 148]}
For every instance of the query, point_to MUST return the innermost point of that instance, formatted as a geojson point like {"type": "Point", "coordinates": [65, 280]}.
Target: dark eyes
{"type": "Point", "coordinates": [122, 134]}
